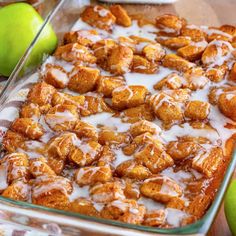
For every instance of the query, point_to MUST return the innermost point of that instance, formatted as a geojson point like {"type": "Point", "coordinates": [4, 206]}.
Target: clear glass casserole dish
{"type": "Point", "coordinates": [55, 221]}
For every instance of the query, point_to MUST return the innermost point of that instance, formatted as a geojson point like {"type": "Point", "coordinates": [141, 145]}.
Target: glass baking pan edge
{"type": "Point", "coordinates": [68, 223]}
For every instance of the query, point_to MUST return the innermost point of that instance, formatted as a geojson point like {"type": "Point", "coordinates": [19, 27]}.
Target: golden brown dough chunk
{"type": "Point", "coordinates": [174, 42]}
{"type": "Point", "coordinates": [191, 52]}
{"type": "Point", "coordinates": [128, 211]}
{"type": "Point", "coordinates": [119, 59]}
{"type": "Point", "coordinates": [85, 130]}
{"type": "Point", "coordinates": [217, 74]}
{"type": "Point", "coordinates": [16, 166]}
{"type": "Point", "coordinates": [178, 63]}
{"type": "Point", "coordinates": [199, 205]}
{"type": "Point", "coordinates": [132, 170]}
{"type": "Point", "coordinates": [144, 126]}
{"type": "Point", "coordinates": [83, 37]}
{"type": "Point", "coordinates": [30, 110]}
{"type": "Point", "coordinates": [55, 75]}
{"type": "Point", "coordinates": [214, 51]}
{"type": "Point", "coordinates": [18, 190]}
{"type": "Point", "coordinates": [180, 150]}
{"type": "Point", "coordinates": [169, 25]}
{"type": "Point", "coordinates": [127, 42]}
{"type": "Point", "coordinates": [83, 206]}
{"type": "Point", "coordinates": [154, 158]}
{"type": "Point", "coordinates": [214, 33]}
{"type": "Point", "coordinates": [106, 192]}
{"type": "Point", "coordinates": [56, 164]}
{"type": "Point", "coordinates": [197, 110]}
{"type": "Point", "coordinates": [107, 156]}
{"type": "Point", "coordinates": [107, 136]}
{"type": "Point", "coordinates": [131, 189]}
{"type": "Point", "coordinates": [155, 218]}
{"type": "Point", "coordinates": [93, 174]}
{"type": "Point", "coordinates": [128, 96]}
{"type": "Point", "coordinates": [196, 78]}
{"type": "Point", "coordinates": [161, 188]}
{"type": "Point", "coordinates": [122, 17]}
{"type": "Point", "coordinates": [227, 104]}
{"type": "Point", "coordinates": [94, 103]}
{"type": "Point", "coordinates": [171, 81]}
{"type": "Point", "coordinates": [142, 65]}
{"type": "Point", "coordinates": [177, 203]}
{"type": "Point", "coordinates": [166, 108]}
{"type": "Point", "coordinates": [51, 191]}
{"type": "Point", "coordinates": [28, 128]}
{"type": "Point", "coordinates": [135, 114]}
{"type": "Point", "coordinates": [193, 32]}
{"type": "Point", "coordinates": [154, 52]}
{"type": "Point", "coordinates": [62, 117]}
{"type": "Point", "coordinates": [208, 161]}
{"type": "Point", "coordinates": [85, 153]}
{"type": "Point", "coordinates": [60, 146]}
{"type": "Point", "coordinates": [38, 166]}
{"type": "Point", "coordinates": [41, 93]}
{"type": "Point", "coordinates": [12, 141]}
{"type": "Point", "coordinates": [106, 84]}
{"type": "Point", "coordinates": [83, 79]}
{"type": "Point", "coordinates": [99, 17]}
{"type": "Point", "coordinates": [229, 29]}
{"type": "Point", "coordinates": [232, 75]}
{"type": "Point", "coordinates": [64, 98]}
{"type": "Point", "coordinates": [179, 95]}
{"type": "Point", "coordinates": [73, 52]}
{"type": "Point", "coordinates": [102, 49]}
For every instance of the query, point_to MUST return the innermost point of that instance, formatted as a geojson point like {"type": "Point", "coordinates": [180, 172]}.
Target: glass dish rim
{"type": "Point", "coordinates": [201, 226]}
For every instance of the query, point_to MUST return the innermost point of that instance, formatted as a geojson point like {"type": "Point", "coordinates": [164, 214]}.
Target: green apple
{"type": "Point", "coordinates": [19, 24]}
{"type": "Point", "coordinates": [230, 206]}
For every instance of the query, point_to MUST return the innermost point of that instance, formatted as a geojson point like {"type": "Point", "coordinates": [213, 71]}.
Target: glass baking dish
{"type": "Point", "coordinates": [54, 221]}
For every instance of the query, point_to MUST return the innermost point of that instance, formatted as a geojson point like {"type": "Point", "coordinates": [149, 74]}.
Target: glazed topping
{"type": "Point", "coordinates": [128, 121]}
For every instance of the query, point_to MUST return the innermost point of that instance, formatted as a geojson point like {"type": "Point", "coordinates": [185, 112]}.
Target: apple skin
{"type": "Point", "coordinates": [230, 207]}
{"type": "Point", "coordinates": [19, 24]}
